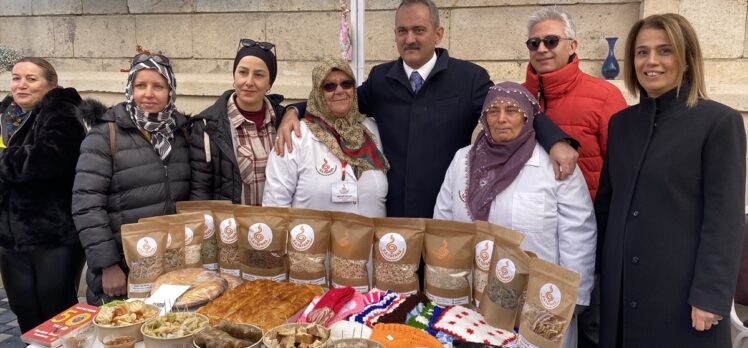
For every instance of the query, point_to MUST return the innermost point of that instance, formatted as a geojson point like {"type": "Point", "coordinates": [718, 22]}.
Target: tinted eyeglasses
{"type": "Point", "coordinates": [158, 58]}
{"type": "Point", "coordinates": [267, 46]}
{"type": "Point", "coordinates": [550, 42]}
{"type": "Point", "coordinates": [332, 86]}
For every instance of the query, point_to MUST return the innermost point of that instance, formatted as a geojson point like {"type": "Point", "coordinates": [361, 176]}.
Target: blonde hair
{"type": "Point", "coordinates": [686, 48]}
{"type": "Point", "coordinates": [50, 74]}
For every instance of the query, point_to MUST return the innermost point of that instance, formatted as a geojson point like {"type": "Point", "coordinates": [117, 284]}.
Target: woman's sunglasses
{"type": "Point", "coordinates": [249, 43]}
{"type": "Point", "coordinates": [550, 42]}
{"type": "Point", "coordinates": [142, 57]}
{"type": "Point", "coordinates": [332, 86]}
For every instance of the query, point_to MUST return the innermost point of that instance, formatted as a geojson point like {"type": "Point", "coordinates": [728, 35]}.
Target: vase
{"type": "Point", "coordinates": [610, 65]}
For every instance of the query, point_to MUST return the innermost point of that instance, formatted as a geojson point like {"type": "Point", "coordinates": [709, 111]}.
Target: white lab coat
{"type": "Point", "coordinates": [304, 178]}
{"type": "Point", "coordinates": [556, 217]}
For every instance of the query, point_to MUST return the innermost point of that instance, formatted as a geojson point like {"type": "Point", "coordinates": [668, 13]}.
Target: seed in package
{"type": "Point", "coordinates": [350, 260]}
{"type": "Point", "coordinates": [397, 253]}
{"type": "Point", "coordinates": [307, 245]}
{"type": "Point", "coordinates": [209, 252]}
{"type": "Point", "coordinates": [144, 245]}
{"type": "Point", "coordinates": [228, 240]}
{"type": "Point", "coordinates": [186, 253]}
{"type": "Point", "coordinates": [262, 242]}
{"type": "Point", "coordinates": [448, 257]}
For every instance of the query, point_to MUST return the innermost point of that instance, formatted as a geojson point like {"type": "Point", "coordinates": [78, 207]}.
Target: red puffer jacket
{"type": "Point", "coordinates": [581, 105]}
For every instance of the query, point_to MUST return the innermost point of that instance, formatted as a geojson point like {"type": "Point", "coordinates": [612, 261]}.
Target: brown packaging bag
{"type": "Point", "coordinates": [307, 245]}
{"type": "Point", "coordinates": [351, 238]}
{"type": "Point", "coordinates": [210, 243]}
{"type": "Point", "coordinates": [228, 240]}
{"type": "Point", "coordinates": [144, 245]}
{"type": "Point", "coordinates": [192, 227]}
{"type": "Point", "coordinates": [262, 242]}
{"type": "Point", "coordinates": [551, 298]}
{"type": "Point", "coordinates": [448, 254]}
{"type": "Point", "coordinates": [397, 253]}
{"type": "Point", "coordinates": [507, 280]}
{"type": "Point", "coordinates": [485, 233]}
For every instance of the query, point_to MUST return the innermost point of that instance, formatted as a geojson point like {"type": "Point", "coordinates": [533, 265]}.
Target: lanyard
{"type": "Point", "coordinates": [345, 163]}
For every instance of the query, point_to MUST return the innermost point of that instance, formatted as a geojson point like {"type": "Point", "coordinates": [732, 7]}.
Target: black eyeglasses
{"type": "Point", "coordinates": [550, 42]}
{"type": "Point", "coordinates": [267, 46]}
{"type": "Point", "coordinates": [332, 86]}
{"type": "Point", "coordinates": [158, 58]}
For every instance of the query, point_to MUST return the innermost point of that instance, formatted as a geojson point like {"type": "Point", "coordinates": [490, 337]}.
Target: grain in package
{"type": "Point", "coordinates": [262, 242]}
{"type": "Point", "coordinates": [447, 253]}
{"type": "Point", "coordinates": [144, 245]}
{"type": "Point", "coordinates": [485, 233]}
{"type": "Point", "coordinates": [551, 298]}
{"type": "Point", "coordinates": [192, 227]}
{"type": "Point", "coordinates": [351, 238]}
{"type": "Point", "coordinates": [210, 243]}
{"type": "Point", "coordinates": [397, 253]}
{"type": "Point", "coordinates": [228, 240]}
{"type": "Point", "coordinates": [307, 245]}
{"type": "Point", "coordinates": [507, 280]}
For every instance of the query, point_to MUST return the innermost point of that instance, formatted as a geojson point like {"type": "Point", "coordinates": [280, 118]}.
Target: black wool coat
{"type": "Point", "coordinates": [36, 174]}
{"type": "Point", "coordinates": [218, 179]}
{"type": "Point", "coordinates": [670, 221]}
{"type": "Point", "coordinates": [110, 191]}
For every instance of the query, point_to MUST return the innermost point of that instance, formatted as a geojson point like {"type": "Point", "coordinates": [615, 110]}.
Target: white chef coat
{"type": "Point", "coordinates": [304, 178]}
{"type": "Point", "coordinates": [556, 217]}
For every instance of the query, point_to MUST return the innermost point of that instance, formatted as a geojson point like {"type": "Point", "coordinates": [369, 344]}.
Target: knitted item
{"type": "Point", "coordinates": [376, 309]}
{"type": "Point", "coordinates": [402, 336]}
{"type": "Point", "coordinates": [330, 305]}
{"type": "Point", "coordinates": [399, 314]}
{"type": "Point", "coordinates": [469, 325]}
{"type": "Point", "coordinates": [353, 306]}
{"type": "Point", "coordinates": [415, 312]}
{"type": "Point", "coordinates": [432, 320]}
{"type": "Point", "coordinates": [421, 321]}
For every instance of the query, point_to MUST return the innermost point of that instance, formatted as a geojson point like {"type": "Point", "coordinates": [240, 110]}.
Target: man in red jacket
{"type": "Point", "coordinates": [578, 103]}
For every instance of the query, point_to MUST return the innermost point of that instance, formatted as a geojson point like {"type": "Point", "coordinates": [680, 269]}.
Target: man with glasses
{"type": "Point", "coordinates": [426, 105]}
{"type": "Point", "coordinates": [579, 103]}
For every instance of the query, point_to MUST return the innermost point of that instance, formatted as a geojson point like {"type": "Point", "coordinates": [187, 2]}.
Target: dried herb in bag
{"type": "Point", "coordinates": [262, 242]}
{"type": "Point", "coordinates": [210, 243]}
{"type": "Point", "coordinates": [350, 260]}
{"type": "Point", "coordinates": [448, 256]}
{"type": "Point", "coordinates": [144, 245]}
{"type": "Point", "coordinates": [397, 253]}
{"type": "Point", "coordinates": [551, 298]}
{"type": "Point", "coordinates": [192, 227]}
{"type": "Point", "coordinates": [307, 245]}
{"type": "Point", "coordinates": [228, 240]}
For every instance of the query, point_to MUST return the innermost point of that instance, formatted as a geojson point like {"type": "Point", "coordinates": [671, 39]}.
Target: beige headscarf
{"type": "Point", "coordinates": [356, 143]}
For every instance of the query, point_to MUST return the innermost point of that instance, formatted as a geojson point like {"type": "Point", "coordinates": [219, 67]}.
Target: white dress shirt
{"type": "Point", "coordinates": [424, 70]}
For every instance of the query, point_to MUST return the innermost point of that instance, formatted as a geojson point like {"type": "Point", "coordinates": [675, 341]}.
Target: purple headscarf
{"type": "Point", "coordinates": [492, 166]}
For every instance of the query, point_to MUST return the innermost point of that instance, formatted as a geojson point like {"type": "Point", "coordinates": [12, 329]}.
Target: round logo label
{"type": "Point", "coordinates": [146, 247]}
{"type": "Point", "coordinates": [483, 251]}
{"type": "Point", "coordinates": [505, 270]}
{"type": "Point", "coordinates": [228, 231]}
{"type": "Point", "coordinates": [550, 295]}
{"type": "Point", "coordinates": [392, 247]}
{"type": "Point", "coordinates": [302, 237]}
{"type": "Point", "coordinates": [259, 236]}
{"type": "Point", "coordinates": [168, 240]}
{"type": "Point", "coordinates": [188, 235]}
{"type": "Point", "coordinates": [209, 224]}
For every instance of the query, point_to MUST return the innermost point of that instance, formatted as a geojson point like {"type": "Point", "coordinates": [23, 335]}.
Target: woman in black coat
{"type": "Point", "coordinates": [40, 257]}
{"type": "Point", "coordinates": [134, 163]}
{"type": "Point", "coordinates": [670, 205]}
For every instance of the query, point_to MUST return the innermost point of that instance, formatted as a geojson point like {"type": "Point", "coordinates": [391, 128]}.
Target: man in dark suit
{"type": "Point", "coordinates": [426, 105]}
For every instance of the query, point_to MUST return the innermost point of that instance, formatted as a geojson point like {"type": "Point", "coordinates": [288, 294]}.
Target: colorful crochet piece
{"type": "Point", "coordinates": [469, 325]}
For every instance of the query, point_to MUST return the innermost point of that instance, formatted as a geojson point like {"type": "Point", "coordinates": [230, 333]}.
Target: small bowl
{"type": "Point", "coordinates": [257, 344]}
{"type": "Point", "coordinates": [160, 342]}
{"type": "Point", "coordinates": [119, 341]}
{"type": "Point", "coordinates": [274, 332]}
{"type": "Point", "coordinates": [83, 338]}
{"type": "Point", "coordinates": [355, 343]}
{"type": "Point", "coordinates": [132, 330]}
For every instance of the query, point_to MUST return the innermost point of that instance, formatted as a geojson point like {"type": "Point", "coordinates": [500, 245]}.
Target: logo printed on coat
{"type": "Point", "coordinates": [392, 247]}
{"type": "Point", "coordinates": [463, 195]}
{"type": "Point", "coordinates": [228, 231]}
{"type": "Point", "coordinates": [146, 247]}
{"type": "Point", "coordinates": [209, 224]}
{"type": "Point", "coordinates": [326, 169]}
{"type": "Point", "coordinates": [505, 270]}
{"type": "Point", "coordinates": [550, 296]}
{"type": "Point", "coordinates": [188, 235]}
{"type": "Point", "coordinates": [302, 237]}
{"type": "Point", "coordinates": [260, 236]}
{"type": "Point", "coordinates": [483, 252]}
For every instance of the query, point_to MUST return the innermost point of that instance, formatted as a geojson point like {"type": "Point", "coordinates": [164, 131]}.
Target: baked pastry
{"type": "Point", "coordinates": [233, 281]}
{"type": "Point", "coordinates": [205, 285]}
{"type": "Point", "coordinates": [264, 303]}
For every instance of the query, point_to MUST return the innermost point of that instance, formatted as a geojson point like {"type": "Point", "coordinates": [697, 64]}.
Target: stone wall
{"type": "Point", "coordinates": [89, 41]}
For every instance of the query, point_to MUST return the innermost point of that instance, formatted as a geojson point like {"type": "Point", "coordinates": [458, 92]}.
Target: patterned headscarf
{"type": "Point", "coordinates": [346, 137]}
{"type": "Point", "coordinates": [493, 166]}
{"type": "Point", "coordinates": [160, 125]}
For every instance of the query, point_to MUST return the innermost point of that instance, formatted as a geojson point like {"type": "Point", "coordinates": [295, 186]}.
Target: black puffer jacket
{"type": "Point", "coordinates": [219, 178]}
{"type": "Point", "coordinates": [138, 184]}
{"type": "Point", "coordinates": [36, 174]}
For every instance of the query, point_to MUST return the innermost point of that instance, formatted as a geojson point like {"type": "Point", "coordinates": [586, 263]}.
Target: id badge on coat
{"type": "Point", "coordinates": [345, 192]}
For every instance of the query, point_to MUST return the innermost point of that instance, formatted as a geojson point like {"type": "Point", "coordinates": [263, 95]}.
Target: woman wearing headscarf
{"type": "Point", "coordinates": [231, 139]}
{"type": "Point", "coordinates": [40, 257]}
{"type": "Point", "coordinates": [338, 164]}
{"type": "Point", "coordinates": [134, 163]}
{"type": "Point", "coordinates": [670, 208]}
{"type": "Point", "coordinates": [507, 179]}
